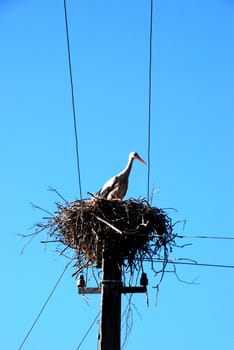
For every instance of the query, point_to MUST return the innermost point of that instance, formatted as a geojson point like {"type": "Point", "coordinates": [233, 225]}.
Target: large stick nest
{"type": "Point", "coordinates": [133, 229]}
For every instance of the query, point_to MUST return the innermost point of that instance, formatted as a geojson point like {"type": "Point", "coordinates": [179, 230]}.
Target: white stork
{"type": "Point", "coordinates": [117, 186]}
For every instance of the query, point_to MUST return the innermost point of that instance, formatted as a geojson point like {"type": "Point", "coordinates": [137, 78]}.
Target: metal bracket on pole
{"type": "Point", "coordinates": [134, 290]}
{"type": "Point", "coordinates": [124, 290]}
{"type": "Point", "coordinates": [84, 290]}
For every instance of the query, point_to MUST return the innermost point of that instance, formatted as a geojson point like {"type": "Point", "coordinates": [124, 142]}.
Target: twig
{"type": "Point", "coordinates": [37, 207]}
{"type": "Point", "coordinates": [108, 224]}
{"type": "Point", "coordinates": [51, 189]}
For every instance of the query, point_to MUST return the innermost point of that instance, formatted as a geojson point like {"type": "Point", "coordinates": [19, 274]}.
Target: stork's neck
{"type": "Point", "coordinates": [128, 167]}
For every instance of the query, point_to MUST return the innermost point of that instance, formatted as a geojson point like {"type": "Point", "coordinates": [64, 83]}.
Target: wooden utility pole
{"type": "Point", "coordinates": [111, 290]}
{"type": "Point", "coordinates": [111, 302]}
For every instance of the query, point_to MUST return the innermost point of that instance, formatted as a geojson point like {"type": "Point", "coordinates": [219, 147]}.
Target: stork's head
{"type": "Point", "coordinates": [135, 155]}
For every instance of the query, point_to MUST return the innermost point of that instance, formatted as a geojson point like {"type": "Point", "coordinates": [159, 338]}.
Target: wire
{"type": "Point", "coordinates": [88, 330]}
{"type": "Point", "coordinates": [206, 237]}
{"type": "Point", "coordinates": [43, 307]}
{"type": "Point", "coordinates": [190, 263]}
{"type": "Point", "coordinates": [149, 96]}
{"type": "Point", "coordinates": [73, 99]}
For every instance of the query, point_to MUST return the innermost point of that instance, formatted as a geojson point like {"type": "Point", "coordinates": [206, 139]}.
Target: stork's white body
{"type": "Point", "coordinates": [117, 186]}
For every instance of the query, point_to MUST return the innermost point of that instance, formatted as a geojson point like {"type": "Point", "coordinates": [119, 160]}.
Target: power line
{"type": "Point", "coordinates": [73, 99]}
{"type": "Point", "coordinates": [206, 237]}
{"type": "Point", "coordinates": [190, 263]}
{"type": "Point", "coordinates": [149, 96]}
{"type": "Point", "coordinates": [43, 307]}
{"type": "Point", "coordinates": [88, 330]}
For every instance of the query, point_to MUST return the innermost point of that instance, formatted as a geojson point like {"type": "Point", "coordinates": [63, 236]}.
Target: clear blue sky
{"type": "Point", "coordinates": [191, 157]}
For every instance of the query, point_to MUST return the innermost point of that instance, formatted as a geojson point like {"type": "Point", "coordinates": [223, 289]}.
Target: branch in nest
{"type": "Point", "coordinates": [108, 224]}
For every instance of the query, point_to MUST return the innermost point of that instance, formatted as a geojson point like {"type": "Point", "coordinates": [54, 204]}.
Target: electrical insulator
{"type": "Point", "coordinates": [81, 282]}
{"type": "Point", "coordinates": [144, 279]}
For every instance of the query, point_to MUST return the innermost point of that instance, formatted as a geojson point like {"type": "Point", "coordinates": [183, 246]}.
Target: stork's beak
{"type": "Point", "coordinates": [140, 159]}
